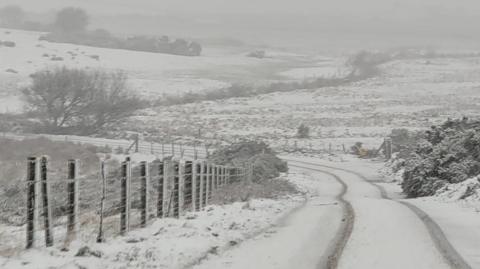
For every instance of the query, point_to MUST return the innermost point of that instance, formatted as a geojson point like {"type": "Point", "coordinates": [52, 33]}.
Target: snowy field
{"type": "Point", "coordinates": [412, 94]}
{"type": "Point", "coordinates": [151, 74]}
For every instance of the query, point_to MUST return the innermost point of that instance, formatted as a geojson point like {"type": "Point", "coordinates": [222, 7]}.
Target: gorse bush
{"type": "Point", "coordinates": [303, 131]}
{"type": "Point", "coordinates": [404, 141]}
{"type": "Point", "coordinates": [448, 153]}
{"type": "Point", "coordinates": [266, 165]}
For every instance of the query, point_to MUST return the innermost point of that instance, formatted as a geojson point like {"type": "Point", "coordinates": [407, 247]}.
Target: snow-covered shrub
{"type": "Point", "coordinates": [266, 164]}
{"type": "Point", "coordinates": [404, 141]}
{"type": "Point", "coordinates": [260, 54]}
{"type": "Point", "coordinates": [449, 153]}
{"type": "Point", "coordinates": [303, 131]}
{"type": "Point", "coordinates": [244, 191]}
{"type": "Point", "coordinates": [9, 44]}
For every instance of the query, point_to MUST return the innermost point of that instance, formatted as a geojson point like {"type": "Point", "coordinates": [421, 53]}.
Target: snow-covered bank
{"type": "Point", "coordinates": [172, 243]}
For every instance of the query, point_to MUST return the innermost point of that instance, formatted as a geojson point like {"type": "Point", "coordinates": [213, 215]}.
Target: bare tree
{"type": "Point", "coordinates": [77, 101]}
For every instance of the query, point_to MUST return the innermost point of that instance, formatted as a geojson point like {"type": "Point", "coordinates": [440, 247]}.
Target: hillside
{"type": "Point", "coordinates": [151, 74]}
{"type": "Point", "coordinates": [411, 94]}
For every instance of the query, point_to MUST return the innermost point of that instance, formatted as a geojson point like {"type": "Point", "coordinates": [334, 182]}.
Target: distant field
{"type": "Point", "coordinates": [410, 94]}
{"type": "Point", "coordinates": [151, 74]}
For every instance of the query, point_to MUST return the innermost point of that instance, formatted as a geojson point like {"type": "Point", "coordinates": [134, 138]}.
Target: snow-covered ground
{"type": "Point", "coordinates": [377, 240]}
{"type": "Point", "coordinates": [408, 94]}
{"type": "Point", "coordinates": [176, 243]}
{"type": "Point", "coordinates": [457, 217]}
{"type": "Point", "coordinates": [150, 74]}
{"type": "Point", "coordinates": [299, 240]}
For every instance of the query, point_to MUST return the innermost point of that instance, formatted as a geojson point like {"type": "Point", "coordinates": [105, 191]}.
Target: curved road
{"type": "Point", "coordinates": [450, 256]}
{"type": "Point", "coordinates": [349, 223]}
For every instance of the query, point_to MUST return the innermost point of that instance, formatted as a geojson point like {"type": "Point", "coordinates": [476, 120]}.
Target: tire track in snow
{"type": "Point", "coordinates": [444, 247]}
{"type": "Point", "coordinates": [227, 247]}
{"type": "Point", "coordinates": [334, 251]}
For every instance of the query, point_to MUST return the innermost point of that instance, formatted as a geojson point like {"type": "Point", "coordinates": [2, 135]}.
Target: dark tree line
{"type": "Point", "coordinates": [71, 26]}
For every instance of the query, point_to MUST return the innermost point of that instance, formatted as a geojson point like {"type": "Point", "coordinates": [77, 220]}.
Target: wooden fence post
{"type": "Point", "coordinates": [137, 141]}
{"type": "Point", "coordinates": [163, 150]}
{"type": "Point", "coordinates": [194, 186]}
{"type": "Point", "coordinates": [229, 174]}
{"type": "Point", "coordinates": [208, 183]}
{"type": "Point", "coordinates": [189, 187]}
{"type": "Point", "coordinates": [101, 237]}
{"type": "Point", "coordinates": [32, 183]}
{"type": "Point", "coordinates": [388, 148]}
{"type": "Point", "coordinates": [195, 153]}
{"type": "Point", "coordinates": [47, 210]}
{"type": "Point", "coordinates": [206, 151]}
{"type": "Point", "coordinates": [203, 184]}
{"type": "Point", "coordinates": [125, 197]}
{"type": "Point", "coordinates": [226, 171]}
{"type": "Point", "coordinates": [220, 173]}
{"type": "Point", "coordinates": [144, 189]}
{"type": "Point", "coordinates": [174, 199]}
{"type": "Point", "coordinates": [160, 189]}
{"type": "Point", "coordinates": [72, 188]}
{"type": "Point", "coordinates": [167, 187]}
{"type": "Point", "coordinates": [214, 177]}
{"type": "Point", "coordinates": [182, 151]}
{"type": "Point", "coordinates": [181, 187]}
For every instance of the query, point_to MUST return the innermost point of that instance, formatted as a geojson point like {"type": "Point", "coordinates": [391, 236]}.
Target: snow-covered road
{"type": "Point", "coordinates": [298, 241]}
{"type": "Point", "coordinates": [386, 233]}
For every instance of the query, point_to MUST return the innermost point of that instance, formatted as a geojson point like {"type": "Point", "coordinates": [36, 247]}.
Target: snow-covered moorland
{"type": "Point", "coordinates": [151, 74]}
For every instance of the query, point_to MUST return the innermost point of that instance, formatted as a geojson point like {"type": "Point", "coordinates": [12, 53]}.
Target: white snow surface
{"type": "Point", "coordinates": [173, 243]}
{"type": "Point", "coordinates": [377, 240]}
{"type": "Point", "coordinates": [298, 241]}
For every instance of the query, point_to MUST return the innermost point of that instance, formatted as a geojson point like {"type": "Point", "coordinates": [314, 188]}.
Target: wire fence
{"type": "Point", "coordinates": [193, 150]}
{"type": "Point", "coordinates": [50, 208]}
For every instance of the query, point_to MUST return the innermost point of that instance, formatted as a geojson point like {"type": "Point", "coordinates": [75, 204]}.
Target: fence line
{"type": "Point", "coordinates": [136, 145]}
{"type": "Point", "coordinates": [137, 195]}
{"type": "Point", "coordinates": [194, 151]}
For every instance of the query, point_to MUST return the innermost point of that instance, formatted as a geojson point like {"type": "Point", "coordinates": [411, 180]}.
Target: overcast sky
{"type": "Point", "coordinates": [360, 7]}
{"type": "Point", "coordinates": [432, 21]}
